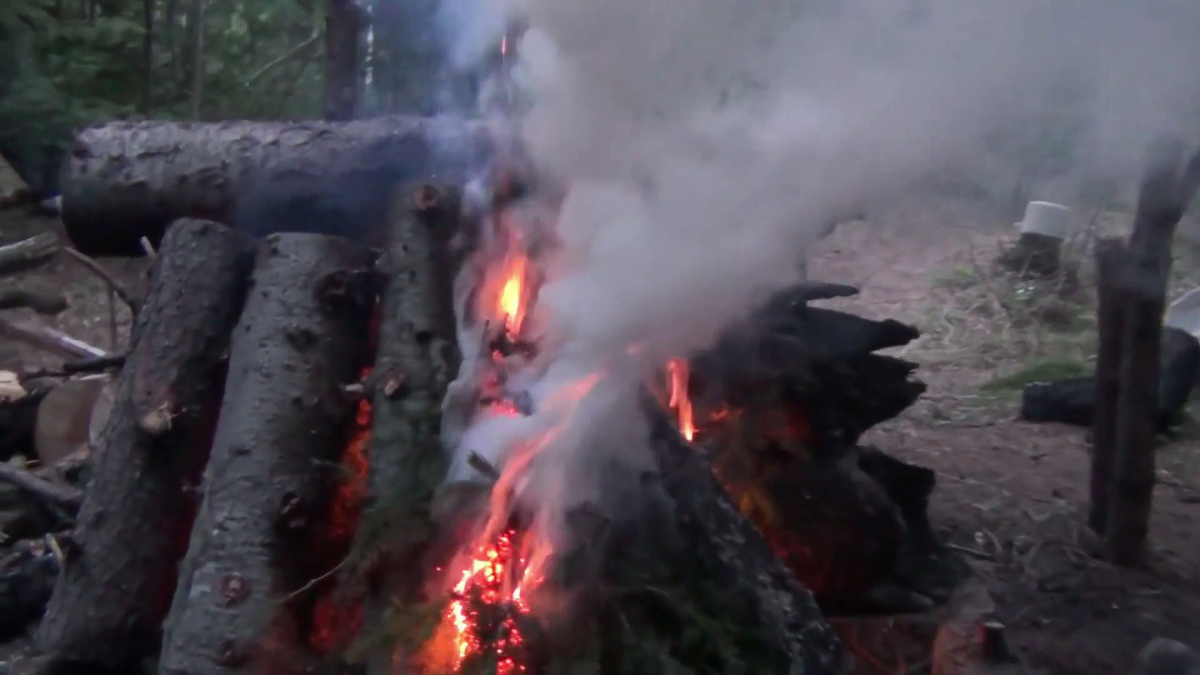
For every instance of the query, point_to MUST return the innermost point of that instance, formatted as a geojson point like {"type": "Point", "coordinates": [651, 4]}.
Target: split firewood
{"type": "Point", "coordinates": [110, 202]}
{"type": "Point", "coordinates": [107, 609]}
{"type": "Point", "coordinates": [49, 339]}
{"type": "Point", "coordinates": [46, 304]}
{"type": "Point", "coordinates": [28, 253]}
{"type": "Point", "coordinates": [270, 477]}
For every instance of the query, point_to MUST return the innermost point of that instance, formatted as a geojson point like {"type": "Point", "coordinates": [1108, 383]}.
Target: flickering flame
{"type": "Point", "coordinates": [680, 402]}
{"type": "Point", "coordinates": [512, 297]}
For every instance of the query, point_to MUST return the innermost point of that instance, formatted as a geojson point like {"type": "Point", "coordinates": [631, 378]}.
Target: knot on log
{"type": "Point", "coordinates": [347, 289]}
{"type": "Point", "coordinates": [234, 589]}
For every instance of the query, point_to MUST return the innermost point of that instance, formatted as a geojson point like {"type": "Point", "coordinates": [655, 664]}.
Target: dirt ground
{"type": "Point", "coordinates": [1010, 495]}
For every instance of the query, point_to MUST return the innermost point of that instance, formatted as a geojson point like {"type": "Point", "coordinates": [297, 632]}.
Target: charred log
{"type": "Point", "coordinates": [108, 608]}
{"type": "Point", "coordinates": [300, 339]}
{"type": "Point", "coordinates": [128, 180]}
{"type": "Point", "coordinates": [416, 360]}
{"type": "Point", "coordinates": [1073, 401]}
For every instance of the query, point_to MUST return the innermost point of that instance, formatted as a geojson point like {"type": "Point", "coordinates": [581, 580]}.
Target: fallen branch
{"type": "Point", "coordinates": [49, 340]}
{"type": "Point", "coordinates": [28, 252]}
{"type": "Point", "coordinates": [42, 303]}
{"type": "Point", "coordinates": [99, 271]}
{"type": "Point", "coordinates": [63, 496]}
{"type": "Point", "coordinates": [89, 365]}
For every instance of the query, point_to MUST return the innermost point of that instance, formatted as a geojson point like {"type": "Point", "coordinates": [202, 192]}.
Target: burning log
{"type": "Point", "coordinates": [416, 358]}
{"type": "Point", "coordinates": [128, 180]}
{"type": "Point", "coordinates": [301, 338]}
{"type": "Point", "coordinates": [116, 587]}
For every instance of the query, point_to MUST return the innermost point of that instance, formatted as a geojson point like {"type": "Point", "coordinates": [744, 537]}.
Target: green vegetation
{"type": "Point", "coordinates": [1038, 371]}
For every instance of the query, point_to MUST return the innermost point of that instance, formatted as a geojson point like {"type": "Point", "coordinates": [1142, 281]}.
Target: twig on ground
{"type": "Point", "coordinates": [99, 271]}
{"type": "Point", "coordinates": [42, 303]}
{"type": "Point", "coordinates": [27, 253]}
{"type": "Point", "coordinates": [148, 248]}
{"type": "Point", "coordinates": [983, 555]}
{"type": "Point", "coordinates": [63, 496]}
{"type": "Point", "coordinates": [50, 340]}
{"type": "Point", "coordinates": [93, 364]}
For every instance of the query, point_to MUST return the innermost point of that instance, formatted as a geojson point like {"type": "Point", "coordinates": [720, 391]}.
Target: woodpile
{"type": "Point", "coordinates": [254, 491]}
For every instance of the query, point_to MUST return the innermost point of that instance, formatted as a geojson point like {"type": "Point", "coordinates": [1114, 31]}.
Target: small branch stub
{"type": "Point", "coordinates": [158, 421]}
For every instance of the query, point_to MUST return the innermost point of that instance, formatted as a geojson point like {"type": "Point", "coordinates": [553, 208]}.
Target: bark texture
{"type": "Point", "coordinates": [1165, 194]}
{"type": "Point", "coordinates": [127, 180]}
{"type": "Point", "coordinates": [301, 338]}
{"type": "Point", "coordinates": [108, 607]}
{"type": "Point", "coordinates": [344, 22]}
{"type": "Point", "coordinates": [416, 359]}
{"type": "Point", "coordinates": [734, 557]}
{"type": "Point", "coordinates": [1112, 296]}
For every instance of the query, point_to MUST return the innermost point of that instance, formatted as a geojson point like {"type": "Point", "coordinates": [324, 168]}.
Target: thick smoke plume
{"type": "Point", "coordinates": [707, 141]}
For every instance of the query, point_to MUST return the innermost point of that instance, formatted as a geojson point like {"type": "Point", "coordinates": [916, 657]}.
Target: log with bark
{"type": "Point", "coordinates": [417, 357]}
{"type": "Point", "coordinates": [128, 180]}
{"type": "Point", "coordinates": [1167, 190]}
{"type": "Point", "coordinates": [108, 608]}
{"type": "Point", "coordinates": [300, 341]}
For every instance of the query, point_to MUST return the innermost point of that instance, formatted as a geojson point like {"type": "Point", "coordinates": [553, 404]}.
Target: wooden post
{"type": "Point", "coordinates": [1164, 196]}
{"type": "Point", "coordinates": [1112, 300]}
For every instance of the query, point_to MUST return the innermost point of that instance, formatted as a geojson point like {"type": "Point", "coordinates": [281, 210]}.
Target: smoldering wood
{"type": "Point", "coordinates": [1165, 194]}
{"type": "Point", "coordinates": [27, 253]}
{"type": "Point", "coordinates": [417, 358]}
{"type": "Point", "coordinates": [274, 461]}
{"type": "Point", "coordinates": [108, 608]}
{"type": "Point", "coordinates": [128, 180]}
{"type": "Point", "coordinates": [730, 548]}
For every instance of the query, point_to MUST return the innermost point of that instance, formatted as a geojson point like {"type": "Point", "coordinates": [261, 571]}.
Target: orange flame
{"type": "Point", "coordinates": [512, 297]}
{"type": "Point", "coordinates": [680, 402]}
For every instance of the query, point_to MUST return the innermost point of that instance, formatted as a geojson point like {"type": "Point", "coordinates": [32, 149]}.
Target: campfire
{"type": "Point", "coordinates": [407, 470]}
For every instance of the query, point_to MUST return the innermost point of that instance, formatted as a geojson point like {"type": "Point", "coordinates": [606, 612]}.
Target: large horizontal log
{"type": "Point", "coordinates": [128, 180]}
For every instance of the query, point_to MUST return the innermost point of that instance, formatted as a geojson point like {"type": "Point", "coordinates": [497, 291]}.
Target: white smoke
{"type": "Point", "coordinates": [707, 141]}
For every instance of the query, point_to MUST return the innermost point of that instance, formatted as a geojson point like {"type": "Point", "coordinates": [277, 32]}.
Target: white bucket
{"type": "Point", "coordinates": [1045, 218]}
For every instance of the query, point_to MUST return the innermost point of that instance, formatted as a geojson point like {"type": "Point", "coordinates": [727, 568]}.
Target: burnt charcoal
{"type": "Point", "coordinates": [796, 296]}
{"type": "Point", "coordinates": [1073, 401]}
{"type": "Point", "coordinates": [348, 199]}
{"type": "Point", "coordinates": [834, 526]}
{"type": "Point", "coordinates": [855, 394]}
{"type": "Point", "coordinates": [908, 485]}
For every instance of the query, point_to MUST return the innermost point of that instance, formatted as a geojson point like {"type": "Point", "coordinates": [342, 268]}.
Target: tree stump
{"type": "Point", "coordinates": [1034, 255]}
{"type": "Point", "coordinates": [116, 588]}
{"type": "Point", "coordinates": [239, 604]}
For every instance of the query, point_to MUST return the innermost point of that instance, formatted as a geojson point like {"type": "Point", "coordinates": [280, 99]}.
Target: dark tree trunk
{"type": "Point", "coordinates": [127, 180]}
{"type": "Point", "coordinates": [1165, 194]}
{"type": "Point", "coordinates": [1113, 301]}
{"type": "Point", "coordinates": [115, 591]}
{"type": "Point", "coordinates": [299, 341]}
{"type": "Point", "coordinates": [344, 23]}
{"type": "Point", "coordinates": [417, 358]}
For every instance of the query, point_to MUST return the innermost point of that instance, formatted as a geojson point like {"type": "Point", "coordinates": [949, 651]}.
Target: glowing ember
{"type": "Point", "coordinates": [680, 402]}
{"type": "Point", "coordinates": [488, 582]}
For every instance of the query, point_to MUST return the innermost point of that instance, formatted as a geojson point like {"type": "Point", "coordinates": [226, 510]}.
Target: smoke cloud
{"type": "Point", "coordinates": [707, 141]}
